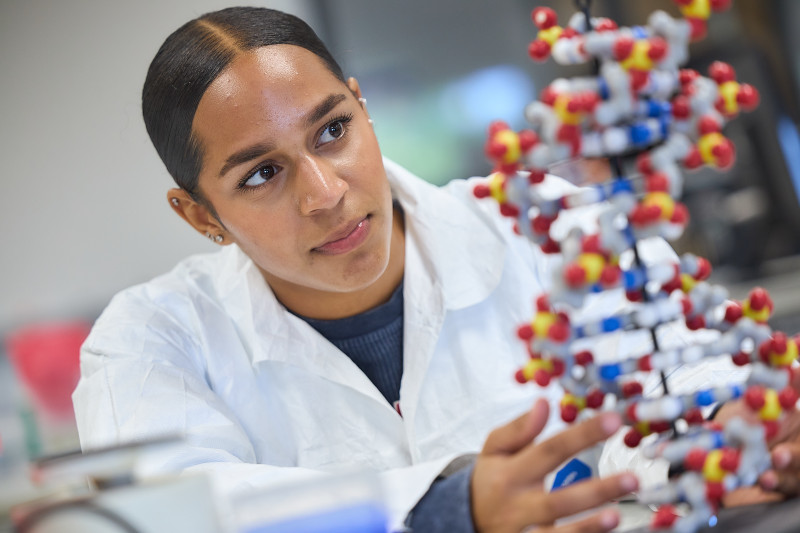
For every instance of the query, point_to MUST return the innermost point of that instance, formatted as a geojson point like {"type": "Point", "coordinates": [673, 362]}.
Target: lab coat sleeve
{"type": "Point", "coordinates": [140, 382]}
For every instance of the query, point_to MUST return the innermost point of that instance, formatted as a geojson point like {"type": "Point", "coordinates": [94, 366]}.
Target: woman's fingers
{"type": "Point", "coordinates": [749, 496]}
{"type": "Point", "coordinates": [787, 457]}
{"type": "Point", "coordinates": [601, 522]}
{"type": "Point", "coordinates": [784, 478]}
{"type": "Point", "coordinates": [547, 508]}
{"type": "Point", "coordinates": [519, 432]}
{"type": "Point", "coordinates": [537, 460]}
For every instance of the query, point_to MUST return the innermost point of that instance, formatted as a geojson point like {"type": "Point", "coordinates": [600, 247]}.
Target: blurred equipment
{"type": "Point", "coordinates": [96, 492]}
{"type": "Point", "coordinates": [347, 503]}
{"type": "Point", "coordinates": [103, 491]}
{"type": "Point", "coordinates": [46, 359]}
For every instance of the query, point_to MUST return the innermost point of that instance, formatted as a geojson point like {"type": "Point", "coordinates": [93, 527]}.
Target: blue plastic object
{"type": "Point", "coordinates": [573, 471]}
{"type": "Point", "coordinates": [640, 134]}
{"type": "Point", "coordinates": [621, 185]}
{"type": "Point", "coordinates": [611, 323]}
{"type": "Point", "coordinates": [360, 518]}
{"type": "Point", "coordinates": [610, 372]}
{"type": "Point", "coordinates": [704, 398]}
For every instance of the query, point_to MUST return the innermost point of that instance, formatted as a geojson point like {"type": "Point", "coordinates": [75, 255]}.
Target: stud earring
{"type": "Point", "coordinates": [215, 238]}
{"type": "Point", "coordinates": [175, 202]}
{"type": "Point", "coordinates": [363, 102]}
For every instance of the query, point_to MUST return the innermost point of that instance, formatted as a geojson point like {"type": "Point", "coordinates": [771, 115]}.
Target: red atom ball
{"type": "Point", "coordinates": [584, 358]}
{"type": "Point", "coordinates": [525, 332]}
{"type": "Point", "coordinates": [595, 399]}
{"type": "Point", "coordinates": [754, 398]}
{"type": "Point", "coordinates": [747, 97]}
{"type": "Point", "coordinates": [575, 275]}
{"type": "Point", "coordinates": [496, 126]}
{"type": "Point", "coordinates": [544, 17]}
{"type": "Point", "coordinates": [632, 438]}
{"type": "Point", "coordinates": [558, 332]}
{"type": "Point", "coordinates": [695, 459]}
{"type": "Point", "coordinates": [541, 377]}
{"type": "Point", "coordinates": [721, 72]}
{"type": "Point", "coordinates": [481, 191]}
{"type": "Point", "coordinates": [720, 5]}
{"type": "Point", "coordinates": [658, 49]}
{"type": "Point", "coordinates": [538, 50]}
{"type": "Point", "coordinates": [569, 413]}
{"type": "Point", "coordinates": [623, 47]}
{"type": "Point", "coordinates": [664, 517]}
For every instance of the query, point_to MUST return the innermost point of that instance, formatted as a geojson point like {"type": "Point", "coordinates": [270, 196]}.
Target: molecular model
{"type": "Point", "coordinates": [641, 105]}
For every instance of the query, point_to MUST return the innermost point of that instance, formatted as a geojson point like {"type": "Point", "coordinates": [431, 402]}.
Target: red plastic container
{"type": "Point", "coordinates": [46, 359]}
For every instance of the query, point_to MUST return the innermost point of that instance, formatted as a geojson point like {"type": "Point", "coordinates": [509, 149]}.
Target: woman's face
{"type": "Point", "coordinates": [294, 172]}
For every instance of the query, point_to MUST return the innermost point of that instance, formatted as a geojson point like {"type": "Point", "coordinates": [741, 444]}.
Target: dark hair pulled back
{"type": "Point", "coordinates": [188, 62]}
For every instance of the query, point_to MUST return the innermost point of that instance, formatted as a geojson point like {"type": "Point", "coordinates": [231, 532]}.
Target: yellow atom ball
{"type": "Point", "coordinates": [772, 407]}
{"type": "Point", "coordinates": [787, 358]}
{"type": "Point", "coordinates": [511, 142]}
{"type": "Point", "coordinates": [728, 91]}
{"type": "Point", "coordinates": [577, 401]}
{"type": "Point", "coordinates": [707, 143]}
{"type": "Point", "coordinates": [593, 265]}
{"type": "Point", "coordinates": [550, 35]}
{"type": "Point", "coordinates": [758, 316]}
{"type": "Point", "coordinates": [700, 9]}
{"type": "Point", "coordinates": [662, 200]}
{"type": "Point", "coordinates": [711, 469]}
{"type": "Point", "coordinates": [541, 323]}
{"type": "Point", "coordinates": [560, 109]}
{"type": "Point", "coordinates": [638, 60]}
{"type": "Point", "coordinates": [497, 187]}
{"type": "Point", "coordinates": [687, 283]}
{"type": "Point", "coordinates": [533, 365]}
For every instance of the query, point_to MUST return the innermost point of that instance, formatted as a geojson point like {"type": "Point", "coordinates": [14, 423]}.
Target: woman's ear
{"type": "Point", "coordinates": [198, 216]}
{"type": "Point", "coordinates": [352, 84]}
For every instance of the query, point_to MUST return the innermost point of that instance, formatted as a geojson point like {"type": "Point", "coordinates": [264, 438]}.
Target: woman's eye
{"type": "Point", "coordinates": [260, 176]}
{"type": "Point", "coordinates": [332, 131]}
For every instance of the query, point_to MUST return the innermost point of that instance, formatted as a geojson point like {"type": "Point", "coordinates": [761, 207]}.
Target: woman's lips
{"type": "Point", "coordinates": [349, 238]}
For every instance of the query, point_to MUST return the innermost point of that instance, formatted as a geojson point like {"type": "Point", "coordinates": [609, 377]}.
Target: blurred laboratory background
{"type": "Point", "coordinates": [83, 193]}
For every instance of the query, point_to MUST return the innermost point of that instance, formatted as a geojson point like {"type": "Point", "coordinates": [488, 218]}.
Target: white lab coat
{"type": "Point", "coordinates": [207, 351]}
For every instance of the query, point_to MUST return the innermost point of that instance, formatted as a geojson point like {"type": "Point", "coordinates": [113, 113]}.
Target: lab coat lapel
{"type": "Point", "coordinates": [423, 316]}
{"type": "Point", "coordinates": [275, 335]}
{"type": "Point", "coordinates": [442, 272]}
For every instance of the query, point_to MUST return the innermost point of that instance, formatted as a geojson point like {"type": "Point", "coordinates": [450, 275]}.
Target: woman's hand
{"type": "Point", "coordinates": [507, 489]}
{"type": "Point", "coordinates": [783, 479]}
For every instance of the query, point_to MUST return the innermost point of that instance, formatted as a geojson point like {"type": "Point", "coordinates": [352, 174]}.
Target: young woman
{"type": "Point", "coordinates": [355, 316]}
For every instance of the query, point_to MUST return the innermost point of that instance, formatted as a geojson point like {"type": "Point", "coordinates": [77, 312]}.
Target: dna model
{"type": "Point", "coordinates": [641, 105]}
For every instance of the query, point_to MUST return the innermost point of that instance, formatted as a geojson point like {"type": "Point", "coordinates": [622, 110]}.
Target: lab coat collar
{"type": "Point", "coordinates": [453, 260]}
{"type": "Point", "coordinates": [461, 252]}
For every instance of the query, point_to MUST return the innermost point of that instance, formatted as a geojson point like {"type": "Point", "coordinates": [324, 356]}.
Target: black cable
{"type": "Point", "coordinates": [616, 165]}
{"type": "Point", "coordinates": [585, 7]}
{"type": "Point", "coordinates": [39, 515]}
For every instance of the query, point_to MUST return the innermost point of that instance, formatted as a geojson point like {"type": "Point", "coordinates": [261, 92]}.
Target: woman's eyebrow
{"type": "Point", "coordinates": [244, 155]}
{"type": "Point", "coordinates": [323, 108]}
{"type": "Point", "coordinates": [251, 152]}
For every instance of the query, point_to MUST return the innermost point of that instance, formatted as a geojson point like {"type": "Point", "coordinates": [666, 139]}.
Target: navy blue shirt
{"type": "Point", "coordinates": [373, 340]}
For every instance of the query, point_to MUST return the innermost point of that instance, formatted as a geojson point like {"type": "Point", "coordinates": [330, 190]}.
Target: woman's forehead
{"type": "Point", "coordinates": [272, 68]}
{"type": "Point", "coordinates": [263, 96]}
{"type": "Point", "coordinates": [272, 83]}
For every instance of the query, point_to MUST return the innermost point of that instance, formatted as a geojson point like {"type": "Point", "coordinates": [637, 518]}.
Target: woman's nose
{"type": "Point", "coordinates": [319, 187]}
